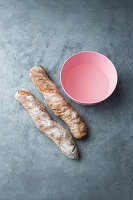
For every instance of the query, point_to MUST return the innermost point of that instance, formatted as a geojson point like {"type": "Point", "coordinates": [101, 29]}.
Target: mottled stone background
{"type": "Point", "coordinates": [47, 33]}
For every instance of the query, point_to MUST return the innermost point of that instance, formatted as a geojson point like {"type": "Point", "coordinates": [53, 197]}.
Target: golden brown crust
{"type": "Point", "coordinates": [56, 102]}
{"type": "Point", "coordinates": [52, 129]}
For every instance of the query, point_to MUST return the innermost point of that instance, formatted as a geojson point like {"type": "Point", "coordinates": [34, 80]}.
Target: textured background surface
{"type": "Point", "coordinates": [48, 32]}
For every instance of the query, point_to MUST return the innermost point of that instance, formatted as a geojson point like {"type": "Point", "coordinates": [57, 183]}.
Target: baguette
{"type": "Point", "coordinates": [56, 102]}
{"type": "Point", "coordinates": [52, 129]}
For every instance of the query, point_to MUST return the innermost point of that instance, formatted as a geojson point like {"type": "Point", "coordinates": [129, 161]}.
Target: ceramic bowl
{"type": "Point", "coordinates": [88, 77]}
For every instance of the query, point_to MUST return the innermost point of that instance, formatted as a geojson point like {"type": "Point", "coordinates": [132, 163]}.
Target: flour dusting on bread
{"type": "Point", "coordinates": [52, 129]}
{"type": "Point", "coordinates": [56, 102]}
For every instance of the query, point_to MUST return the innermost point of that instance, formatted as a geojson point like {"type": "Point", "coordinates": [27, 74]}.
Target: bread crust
{"type": "Point", "coordinates": [52, 129]}
{"type": "Point", "coordinates": [57, 103]}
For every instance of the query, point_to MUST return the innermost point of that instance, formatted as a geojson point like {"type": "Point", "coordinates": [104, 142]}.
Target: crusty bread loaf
{"type": "Point", "coordinates": [52, 129]}
{"type": "Point", "coordinates": [56, 102]}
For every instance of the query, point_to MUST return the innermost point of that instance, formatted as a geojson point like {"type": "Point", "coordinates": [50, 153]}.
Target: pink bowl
{"type": "Point", "coordinates": [88, 77]}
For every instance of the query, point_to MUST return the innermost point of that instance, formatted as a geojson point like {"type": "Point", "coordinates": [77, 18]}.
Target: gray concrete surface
{"type": "Point", "coordinates": [47, 33]}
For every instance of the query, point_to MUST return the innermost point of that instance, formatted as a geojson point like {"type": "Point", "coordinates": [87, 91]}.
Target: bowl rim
{"type": "Point", "coordinates": [83, 102]}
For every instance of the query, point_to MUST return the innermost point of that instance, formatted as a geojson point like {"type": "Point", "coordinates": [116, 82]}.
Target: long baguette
{"type": "Point", "coordinates": [56, 102]}
{"type": "Point", "coordinates": [52, 129]}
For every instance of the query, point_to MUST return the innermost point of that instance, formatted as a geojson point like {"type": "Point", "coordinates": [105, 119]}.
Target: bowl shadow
{"type": "Point", "coordinates": [114, 99]}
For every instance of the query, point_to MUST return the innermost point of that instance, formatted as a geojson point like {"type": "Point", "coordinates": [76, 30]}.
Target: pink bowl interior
{"type": "Point", "coordinates": [88, 77]}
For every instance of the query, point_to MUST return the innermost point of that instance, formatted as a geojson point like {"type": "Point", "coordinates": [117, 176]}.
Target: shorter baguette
{"type": "Point", "coordinates": [52, 129]}
{"type": "Point", "coordinates": [56, 102]}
